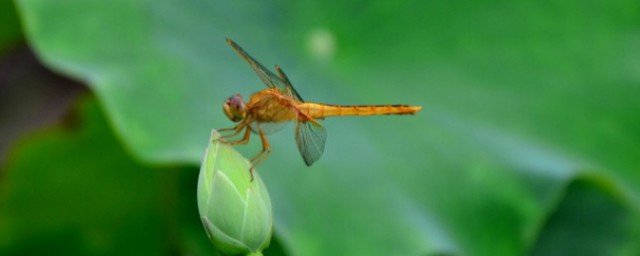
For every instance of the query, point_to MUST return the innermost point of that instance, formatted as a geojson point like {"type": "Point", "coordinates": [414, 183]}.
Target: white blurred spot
{"type": "Point", "coordinates": [321, 44]}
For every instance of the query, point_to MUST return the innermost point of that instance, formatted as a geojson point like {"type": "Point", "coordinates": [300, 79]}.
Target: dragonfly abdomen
{"type": "Point", "coordinates": [316, 110]}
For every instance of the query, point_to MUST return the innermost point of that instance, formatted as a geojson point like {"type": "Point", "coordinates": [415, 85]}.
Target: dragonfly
{"type": "Point", "coordinates": [270, 109]}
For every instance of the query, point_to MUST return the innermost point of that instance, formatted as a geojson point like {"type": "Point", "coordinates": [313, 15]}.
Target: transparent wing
{"type": "Point", "coordinates": [267, 128]}
{"type": "Point", "coordinates": [281, 82]}
{"type": "Point", "coordinates": [292, 91]}
{"type": "Point", "coordinates": [310, 138]}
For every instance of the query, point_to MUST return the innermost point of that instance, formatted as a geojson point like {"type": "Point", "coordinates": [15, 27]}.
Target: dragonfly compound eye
{"type": "Point", "coordinates": [235, 108]}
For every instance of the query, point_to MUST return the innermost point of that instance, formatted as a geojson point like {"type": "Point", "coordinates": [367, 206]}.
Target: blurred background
{"type": "Point", "coordinates": [527, 143]}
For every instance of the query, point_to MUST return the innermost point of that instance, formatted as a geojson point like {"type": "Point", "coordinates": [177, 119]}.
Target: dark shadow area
{"type": "Point", "coordinates": [31, 96]}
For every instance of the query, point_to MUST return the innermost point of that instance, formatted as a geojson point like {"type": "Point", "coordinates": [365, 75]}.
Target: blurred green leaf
{"type": "Point", "coordinates": [569, 230]}
{"type": "Point", "coordinates": [76, 192]}
{"type": "Point", "coordinates": [518, 97]}
{"type": "Point", "coordinates": [10, 32]}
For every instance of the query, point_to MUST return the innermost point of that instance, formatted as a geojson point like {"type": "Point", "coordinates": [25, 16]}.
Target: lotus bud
{"type": "Point", "coordinates": [235, 211]}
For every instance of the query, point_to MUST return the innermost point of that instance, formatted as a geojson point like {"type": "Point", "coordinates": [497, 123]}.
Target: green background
{"type": "Point", "coordinates": [527, 142]}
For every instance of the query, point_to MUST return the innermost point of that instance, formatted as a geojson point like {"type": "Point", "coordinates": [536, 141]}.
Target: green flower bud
{"type": "Point", "coordinates": [235, 211]}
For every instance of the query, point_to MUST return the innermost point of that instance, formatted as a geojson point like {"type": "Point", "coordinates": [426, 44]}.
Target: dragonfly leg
{"type": "Point", "coordinates": [266, 150]}
{"type": "Point", "coordinates": [237, 129]}
{"type": "Point", "coordinates": [245, 138]}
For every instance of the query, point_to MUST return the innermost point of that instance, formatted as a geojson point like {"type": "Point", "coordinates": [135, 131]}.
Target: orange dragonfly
{"type": "Point", "coordinates": [270, 109]}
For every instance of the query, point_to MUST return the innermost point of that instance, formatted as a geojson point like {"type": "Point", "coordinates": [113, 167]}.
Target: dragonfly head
{"type": "Point", "coordinates": [235, 108]}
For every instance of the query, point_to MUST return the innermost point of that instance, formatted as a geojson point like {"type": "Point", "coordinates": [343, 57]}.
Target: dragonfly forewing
{"type": "Point", "coordinates": [270, 79]}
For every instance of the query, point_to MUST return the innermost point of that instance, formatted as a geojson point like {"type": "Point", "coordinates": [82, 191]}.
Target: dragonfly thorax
{"type": "Point", "coordinates": [235, 108]}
